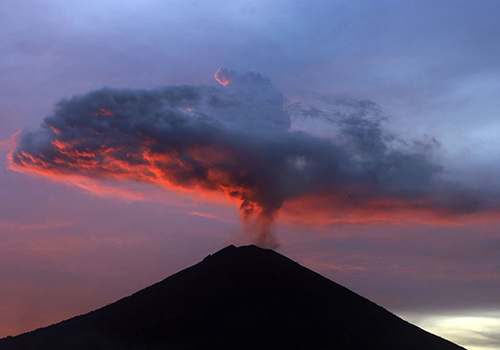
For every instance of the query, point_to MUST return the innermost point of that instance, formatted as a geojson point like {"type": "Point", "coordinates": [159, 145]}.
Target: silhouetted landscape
{"type": "Point", "coordinates": [237, 298]}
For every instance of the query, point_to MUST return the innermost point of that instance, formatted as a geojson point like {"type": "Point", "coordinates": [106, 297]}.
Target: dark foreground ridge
{"type": "Point", "coordinates": [238, 298]}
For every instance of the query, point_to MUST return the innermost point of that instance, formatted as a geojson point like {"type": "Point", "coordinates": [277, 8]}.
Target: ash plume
{"type": "Point", "coordinates": [239, 139]}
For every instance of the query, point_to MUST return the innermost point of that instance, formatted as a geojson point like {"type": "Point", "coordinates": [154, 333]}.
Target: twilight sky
{"type": "Point", "coordinates": [359, 137]}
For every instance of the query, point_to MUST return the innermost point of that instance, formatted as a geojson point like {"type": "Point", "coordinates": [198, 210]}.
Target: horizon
{"type": "Point", "coordinates": [359, 139]}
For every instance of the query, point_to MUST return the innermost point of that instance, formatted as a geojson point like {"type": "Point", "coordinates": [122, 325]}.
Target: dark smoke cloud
{"type": "Point", "coordinates": [237, 139]}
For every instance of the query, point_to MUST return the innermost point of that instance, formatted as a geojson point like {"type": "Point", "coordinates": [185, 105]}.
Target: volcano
{"type": "Point", "coordinates": [237, 298]}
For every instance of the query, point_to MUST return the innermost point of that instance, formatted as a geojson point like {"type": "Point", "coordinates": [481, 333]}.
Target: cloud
{"type": "Point", "coordinates": [477, 330]}
{"type": "Point", "coordinates": [17, 226]}
{"type": "Point", "coordinates": [232, 77]}
{"type": "Point", "coordinates": [239, 140]}
{"type": "Point", "coordinates": [10, 142]}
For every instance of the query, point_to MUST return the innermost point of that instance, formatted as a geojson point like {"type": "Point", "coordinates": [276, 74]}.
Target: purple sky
{"type": "Point", "coordinates": [430, 68]}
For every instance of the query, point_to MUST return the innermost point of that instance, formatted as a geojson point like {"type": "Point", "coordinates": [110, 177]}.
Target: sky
{"type": "Point", "coordinates": [358, 138]}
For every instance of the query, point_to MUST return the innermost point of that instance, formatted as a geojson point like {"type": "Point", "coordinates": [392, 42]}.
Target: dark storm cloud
{"type": "Point", "coordinates": [236, 140]}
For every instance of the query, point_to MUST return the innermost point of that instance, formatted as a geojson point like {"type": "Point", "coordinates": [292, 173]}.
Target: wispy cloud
{"type": "Point", "coordinates": [210, 216]}
{"type": "Point", "coordinates": [22, 226]}
{"type": "Point", "coordinates": [8, 144]}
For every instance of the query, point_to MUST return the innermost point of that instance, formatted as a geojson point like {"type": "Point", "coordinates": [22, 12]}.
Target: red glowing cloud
{"type": "Point", "coordinates": [328, 209]}
{"type": "Point", "coordinates": [236, 141]}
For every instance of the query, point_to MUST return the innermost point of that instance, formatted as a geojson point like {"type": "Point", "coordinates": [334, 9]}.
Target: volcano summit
{"type": "Point", "coordinates": [237, 298]}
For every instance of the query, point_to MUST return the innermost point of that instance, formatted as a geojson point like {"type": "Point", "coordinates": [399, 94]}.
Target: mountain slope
{"type": "Point", "coordinates": [238, 298]}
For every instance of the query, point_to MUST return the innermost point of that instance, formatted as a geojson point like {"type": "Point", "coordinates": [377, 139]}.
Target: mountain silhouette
{"type": "Point", "coordinates": [238, 298]}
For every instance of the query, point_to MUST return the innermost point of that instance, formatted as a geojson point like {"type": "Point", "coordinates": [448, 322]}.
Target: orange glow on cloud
{"type": "Point", "coordinates": [10, 142]}
{"type": "Point", "coordinates": [330, 208]}
{"type": "Point", "coordinates": [205, 215]}
{"type": "Point", "coordinates": [222, 80]}
{"type": "Point", "coordinates": [334, 209]}
{"type": "Point", "coordinates": [104, 112]}
{"type": "Point", "coordinates": [150, 169]}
